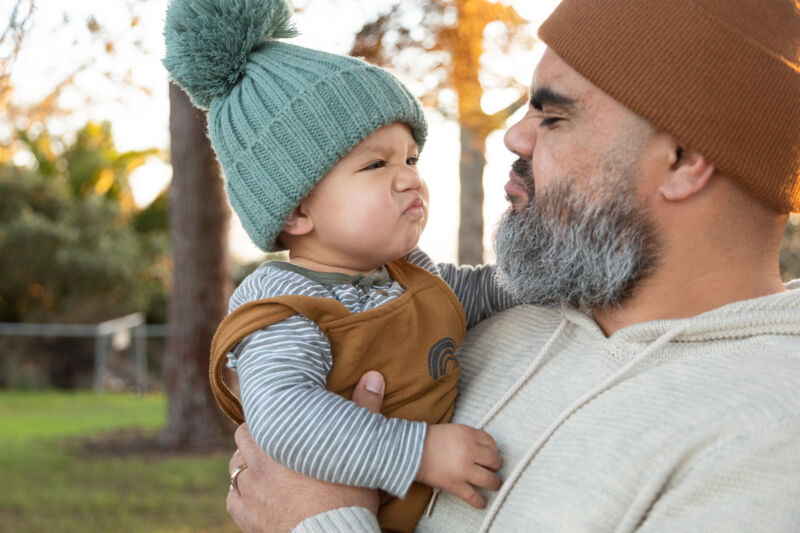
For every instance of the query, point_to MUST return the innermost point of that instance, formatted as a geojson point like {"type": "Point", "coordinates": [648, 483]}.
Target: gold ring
{"type": "Point", "coordinates": [235, 474]}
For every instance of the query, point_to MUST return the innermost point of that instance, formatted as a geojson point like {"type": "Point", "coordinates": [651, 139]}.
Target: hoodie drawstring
{"type": "Point", "coordinates": [532, 368]}
{"type": "Point", "coordinates": [580, 402]}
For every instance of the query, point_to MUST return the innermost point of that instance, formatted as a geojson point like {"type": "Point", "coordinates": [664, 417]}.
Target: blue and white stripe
{"type": "Point", "coordinates": [282, 371]}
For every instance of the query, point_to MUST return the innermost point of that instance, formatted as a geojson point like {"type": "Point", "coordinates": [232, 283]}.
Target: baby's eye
{"type": "Point", "coordinates": [412, 161]}
{"type": "Point", "coordinates": [375, 165]}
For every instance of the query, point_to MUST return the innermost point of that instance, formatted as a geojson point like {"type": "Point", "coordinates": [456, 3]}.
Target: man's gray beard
{"type": "Point", "coordinates": [588, 249]}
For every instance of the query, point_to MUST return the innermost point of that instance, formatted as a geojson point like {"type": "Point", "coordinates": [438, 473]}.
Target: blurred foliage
{"type": "Point", "coordinates": [441, 44]}
{"type": "Point", "coordinates": [73, 246]}
{"type": "Point", "coordinates": [90, 165]}
{"type": "Point", "coordinates": [11, 39]}
{"type": "Point", "coordinates": [103, 38]}
{"type": "Point", "coordinates": [154, 217]}
{"type": "Point", "coordinates": [241, 271]}
{"type": "Point", "coordinates": [790, 249]}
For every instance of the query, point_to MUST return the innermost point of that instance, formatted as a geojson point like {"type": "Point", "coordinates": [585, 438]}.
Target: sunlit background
{"type": "Point", "coordinates": [102, 425]}
{"type": "Point", "coordinates": [109, 54]}
{"type": "Point", "coordinates": [89, 382]}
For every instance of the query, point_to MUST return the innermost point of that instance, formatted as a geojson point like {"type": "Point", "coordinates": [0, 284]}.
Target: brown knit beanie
{"type": "Point", "coordinates": [722, 76]}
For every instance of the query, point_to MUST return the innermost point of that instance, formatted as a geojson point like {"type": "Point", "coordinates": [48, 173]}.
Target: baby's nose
{"type": "Point", "coordinates": [408, 178]}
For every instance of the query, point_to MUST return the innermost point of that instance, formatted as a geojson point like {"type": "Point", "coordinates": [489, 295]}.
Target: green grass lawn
{"type": "Point", "coordinates": [50, 482]}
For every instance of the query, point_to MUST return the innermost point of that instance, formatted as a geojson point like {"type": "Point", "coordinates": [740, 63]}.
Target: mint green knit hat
{"type": "Point", "coordinates": [279, 115]}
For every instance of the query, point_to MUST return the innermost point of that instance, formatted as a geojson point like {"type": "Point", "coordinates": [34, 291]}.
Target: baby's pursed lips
{"type": "Point", "coordinates": [416, 203]}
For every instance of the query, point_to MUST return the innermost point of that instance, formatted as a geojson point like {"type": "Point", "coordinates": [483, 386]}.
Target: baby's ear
{"type": "Point", "coordinates": [298, 222]}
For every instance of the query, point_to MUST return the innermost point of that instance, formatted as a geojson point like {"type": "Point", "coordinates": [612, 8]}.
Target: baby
{"type": "Point", "coordinates": [320, 154]}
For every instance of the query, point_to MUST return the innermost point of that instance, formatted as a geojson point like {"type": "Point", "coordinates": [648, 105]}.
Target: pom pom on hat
{"type": "Point", "coordinates": [279, 115]}
{"type": "Point", "coordinates": [208, 41]}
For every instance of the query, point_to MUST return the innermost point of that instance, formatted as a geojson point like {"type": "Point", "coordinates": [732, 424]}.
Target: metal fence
{"type": "Point", "coordinates": [128, 329]}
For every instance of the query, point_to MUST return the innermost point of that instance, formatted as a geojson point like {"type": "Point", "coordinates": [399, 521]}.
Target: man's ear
{"type": "Point", "coordinates": [689, 173]}
{"type": "Point", "coordinates": [298, 222]}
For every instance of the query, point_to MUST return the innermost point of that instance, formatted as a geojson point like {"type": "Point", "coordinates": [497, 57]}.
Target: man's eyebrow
{"type": "Point", "coordinates": [546, 96]}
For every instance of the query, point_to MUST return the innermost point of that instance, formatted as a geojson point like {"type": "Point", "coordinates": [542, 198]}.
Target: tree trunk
{"type": "Point", "coordinates": [471, 165]}
{"type": "Point", "coordinates": [201, 285]}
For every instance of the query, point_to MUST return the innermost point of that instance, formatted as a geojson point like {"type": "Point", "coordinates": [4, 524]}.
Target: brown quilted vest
{"type": "Point", "coordinates": [411, 340]}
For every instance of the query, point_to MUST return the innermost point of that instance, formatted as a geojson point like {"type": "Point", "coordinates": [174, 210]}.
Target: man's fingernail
{"type": "Point", "coordinates": [374, 383]}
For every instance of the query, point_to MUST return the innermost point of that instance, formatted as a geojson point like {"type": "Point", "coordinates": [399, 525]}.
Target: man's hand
{"type": "Point", "coordinates": [273, 499]}
{"type": "Point", "coordinates": [456, 457]}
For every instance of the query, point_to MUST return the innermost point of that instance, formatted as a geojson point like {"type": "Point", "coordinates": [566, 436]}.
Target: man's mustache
{"type": "Point", "coordinates": [523, 169]}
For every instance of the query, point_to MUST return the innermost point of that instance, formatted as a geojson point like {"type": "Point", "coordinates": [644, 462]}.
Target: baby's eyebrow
{"type": "Point", "coordinates": [366, 149]}
{"type": "Point", "coordinates": [545, 96]}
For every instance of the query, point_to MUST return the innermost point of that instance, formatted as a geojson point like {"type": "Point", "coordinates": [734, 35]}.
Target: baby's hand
{"type": "Point", "coordinates": [455, 457]}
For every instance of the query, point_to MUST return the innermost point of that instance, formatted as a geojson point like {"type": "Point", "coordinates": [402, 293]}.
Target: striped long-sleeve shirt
{"type": "Point", "coordinates": [283, 368]}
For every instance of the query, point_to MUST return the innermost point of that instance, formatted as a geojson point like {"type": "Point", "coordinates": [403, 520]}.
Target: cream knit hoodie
{"type": "Point", "coordinates": [674, 425]}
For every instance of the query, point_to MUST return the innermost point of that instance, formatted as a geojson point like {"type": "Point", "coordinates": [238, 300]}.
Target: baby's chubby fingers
{"type": "Point", "coordinates": [488, 458]}
{"type": "Point", "coordinates": [466, 492]}
{"type": "Point", "coordinates": [484, 439]}
{"type": "Point", "coordinates": [480, 477]}
{"type": "Point", "coordinates": [457, 458]}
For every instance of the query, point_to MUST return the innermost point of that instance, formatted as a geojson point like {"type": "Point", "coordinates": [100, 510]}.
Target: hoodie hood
{"type": "Point", "coordinates": [774, 314]}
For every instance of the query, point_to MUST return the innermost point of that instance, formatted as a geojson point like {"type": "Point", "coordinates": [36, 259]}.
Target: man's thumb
{"type": "Point", "coordinates": [369, 391]}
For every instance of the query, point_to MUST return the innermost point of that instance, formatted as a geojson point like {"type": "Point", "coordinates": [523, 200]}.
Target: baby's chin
{"type": "Point", "coordinates": [413, 243]}
{"type": "Point", "coordinates": [400, 252]}
{"type": "Point", "coordinates": [398, 249]}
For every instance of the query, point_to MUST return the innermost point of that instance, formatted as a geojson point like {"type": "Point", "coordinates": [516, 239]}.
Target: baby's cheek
{"type": "Point", "coordinates": [365, 223]}
{"type": "Point", "coordinates": [375, 209]}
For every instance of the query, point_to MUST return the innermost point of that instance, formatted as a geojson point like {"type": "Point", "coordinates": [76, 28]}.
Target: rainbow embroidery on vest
{"type": "Point", "coordinates": [440, 354]}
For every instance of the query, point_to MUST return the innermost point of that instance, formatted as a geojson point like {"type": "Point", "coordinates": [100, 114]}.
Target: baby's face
{"type": "Point", "coordinates": [372, 206]}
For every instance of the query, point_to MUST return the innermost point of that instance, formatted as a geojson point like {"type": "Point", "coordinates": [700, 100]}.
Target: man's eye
{"type": "Point", "coordinates": [549, 121]}
{"type": "Point", "coordinates": [412, 161]}
{"type": "Point", "coordinates": [375, 165]}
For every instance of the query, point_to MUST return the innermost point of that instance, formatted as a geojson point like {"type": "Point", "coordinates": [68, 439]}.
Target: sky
{"type": "Point", "coordinates": [129, 88]}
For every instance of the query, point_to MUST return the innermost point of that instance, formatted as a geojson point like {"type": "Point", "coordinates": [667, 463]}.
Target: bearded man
{"type": "Point", "coordinates": [651, 381]}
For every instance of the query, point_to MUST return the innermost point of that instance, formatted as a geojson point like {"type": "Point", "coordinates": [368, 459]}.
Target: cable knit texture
{"type": "Point", "coordinates": [701, 435]}
{"type": "Point", "coordinates": [279, 115]}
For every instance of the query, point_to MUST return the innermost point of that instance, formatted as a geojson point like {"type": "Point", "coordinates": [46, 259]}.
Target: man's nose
{"type": "Point", "coordinates": [520, 138]}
